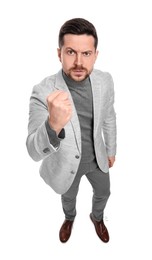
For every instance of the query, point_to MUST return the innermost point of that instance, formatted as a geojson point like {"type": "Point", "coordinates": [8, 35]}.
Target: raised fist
{"type": "Point", "coordinates": [60, 109]}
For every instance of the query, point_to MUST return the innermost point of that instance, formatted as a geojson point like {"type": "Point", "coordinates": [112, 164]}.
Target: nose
{"type": "Point", "coordinates": [78, 59]}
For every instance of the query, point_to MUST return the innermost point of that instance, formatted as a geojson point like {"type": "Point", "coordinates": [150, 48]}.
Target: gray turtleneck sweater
{"type": "Point", "coordinates": [82, 97]}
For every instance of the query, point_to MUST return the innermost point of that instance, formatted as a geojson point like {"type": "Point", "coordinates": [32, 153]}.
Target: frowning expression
{"type": "Point", "coordinates": [78, 55]}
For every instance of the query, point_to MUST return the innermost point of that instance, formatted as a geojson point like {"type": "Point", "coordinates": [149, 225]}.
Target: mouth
{"type": "Point", "coordinates": [78, 70]}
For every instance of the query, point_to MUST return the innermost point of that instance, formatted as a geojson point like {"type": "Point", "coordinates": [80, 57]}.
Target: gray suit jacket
{"type": "Point", "coordinates": [59, 165]}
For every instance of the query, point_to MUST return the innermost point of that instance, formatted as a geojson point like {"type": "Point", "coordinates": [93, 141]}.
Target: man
{"type": "Point", "coordinates": [72, 125]}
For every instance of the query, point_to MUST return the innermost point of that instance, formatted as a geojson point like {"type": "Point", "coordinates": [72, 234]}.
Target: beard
{"type": "Point", "coordinates": [78, 73]}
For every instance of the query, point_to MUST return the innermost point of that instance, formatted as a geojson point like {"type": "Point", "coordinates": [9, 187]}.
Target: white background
{"type": "Point", "coordinates": [30, 212]}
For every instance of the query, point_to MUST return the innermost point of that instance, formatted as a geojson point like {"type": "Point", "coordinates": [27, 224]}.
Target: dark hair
{"type": "Point", "coordinates": [77, 26]}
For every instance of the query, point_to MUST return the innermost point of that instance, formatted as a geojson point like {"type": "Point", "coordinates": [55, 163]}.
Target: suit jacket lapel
{"type": "Point", "coordinates": [97, 98]}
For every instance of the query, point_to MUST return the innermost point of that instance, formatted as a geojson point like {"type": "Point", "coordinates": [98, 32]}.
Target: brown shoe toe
{"type": "Point", "coordinates": [101, 229]}
{"type": "Point", "coordinates": [65, 230]}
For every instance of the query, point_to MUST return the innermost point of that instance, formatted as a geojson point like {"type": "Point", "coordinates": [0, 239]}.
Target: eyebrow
{"type": "Point", "coordinates": [76, 51]}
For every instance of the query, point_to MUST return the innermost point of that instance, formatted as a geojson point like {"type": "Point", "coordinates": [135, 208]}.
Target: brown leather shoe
{"type": "Point", "coordinates": [65, 230]}
{"type": "Point", "coordinates": [101, 229]}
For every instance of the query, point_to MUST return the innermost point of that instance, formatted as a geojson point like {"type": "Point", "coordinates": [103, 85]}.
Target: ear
{"type": "Point", "coordinates": [97, 52]}
{"type": "Point", "coordinates": [59, 53]}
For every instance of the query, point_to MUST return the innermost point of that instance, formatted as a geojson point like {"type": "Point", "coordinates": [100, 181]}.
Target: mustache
{"type": "Point", "coordinates": [77, 67]}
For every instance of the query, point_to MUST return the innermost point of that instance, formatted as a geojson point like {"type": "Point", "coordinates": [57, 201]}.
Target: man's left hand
{"type": "Point", "coordinates": [111, 161]}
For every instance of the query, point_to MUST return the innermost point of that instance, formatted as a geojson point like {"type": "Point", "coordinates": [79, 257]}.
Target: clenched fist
{"type": "Point", "coordinates": [60, 109]}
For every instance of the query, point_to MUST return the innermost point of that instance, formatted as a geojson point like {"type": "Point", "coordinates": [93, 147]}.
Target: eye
{"type": "Point", "coordinates": [70, 52]}
{"type": "Point", "coordinates": [87, 53]}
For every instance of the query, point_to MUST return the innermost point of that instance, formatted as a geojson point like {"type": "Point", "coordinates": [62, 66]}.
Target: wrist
{"type": "Point", "coordinates": [55, 127]}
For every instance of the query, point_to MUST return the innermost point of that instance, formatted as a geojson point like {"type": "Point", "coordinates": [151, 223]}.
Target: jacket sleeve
{"type": "Point", "coordinates": [38, 142]}
{"type": "Point", "coordinates": [109, 125]}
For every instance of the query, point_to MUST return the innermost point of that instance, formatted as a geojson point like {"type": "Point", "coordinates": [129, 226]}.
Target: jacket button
{"type": "Point", "coordinates": [77, 156]}
{"type": "Point", "coordinates": [46, 150]}
{"type": "Point", "coordinates": [72, 172]}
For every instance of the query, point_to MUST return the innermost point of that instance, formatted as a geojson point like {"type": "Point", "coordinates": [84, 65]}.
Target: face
{"type": "Point", "coordinates": [78, 56]}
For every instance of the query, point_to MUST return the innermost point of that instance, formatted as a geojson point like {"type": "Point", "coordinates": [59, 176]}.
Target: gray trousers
{"type": "Point", "coordinates": [101, 191]}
